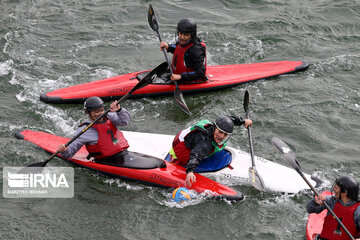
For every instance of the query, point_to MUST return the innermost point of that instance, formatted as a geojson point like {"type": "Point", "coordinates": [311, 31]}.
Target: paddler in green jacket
{"type": "Point", "coordinates": [204, 139]}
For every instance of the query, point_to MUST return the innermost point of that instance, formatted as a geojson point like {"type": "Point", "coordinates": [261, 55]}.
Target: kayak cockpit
{"type": "Point", "coordinates": [136, 160]}
{"type": "Point", "coordinates": [164, 79]}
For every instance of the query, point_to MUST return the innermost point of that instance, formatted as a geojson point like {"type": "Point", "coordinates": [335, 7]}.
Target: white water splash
{"type": "Point", "coordinates": [123, 184]}
{"type": "Point", "coordinates": [6, 67]}
{"type": "Point", "coordinates": [196, 198]}
{"type": "Point", "coordinates": [20, 96]}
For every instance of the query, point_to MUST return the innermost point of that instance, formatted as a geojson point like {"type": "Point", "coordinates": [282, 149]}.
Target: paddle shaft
{"type": "Point", "coordinates": [246, 107]}
{"type": "Point", "coordinates": [167, 60]}
{"type": "Point", "coordinates": [255, 179]}
{"type": "Point", "coordinates": [250, 142]}
{"type": "Point", "coordinates": [166, 57]}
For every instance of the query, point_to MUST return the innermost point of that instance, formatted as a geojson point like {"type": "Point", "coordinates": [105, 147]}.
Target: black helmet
{"type": "Point", "coordinates": [187, 25]}
{"type": "Point", "coordinates": [349, 185]}
{"type": "Point", "coordinates": [93, 103]}
{"type": "Point", "coordinates": [225, 124]}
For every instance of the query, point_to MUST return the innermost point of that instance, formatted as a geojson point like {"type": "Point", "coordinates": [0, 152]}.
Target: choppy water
{"type": "Point", "coordinates": [47, 45]}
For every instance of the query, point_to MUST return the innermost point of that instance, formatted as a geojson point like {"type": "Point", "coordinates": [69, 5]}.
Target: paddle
{"type": "Point", "coordinates": [254, 177]}
{"type": "Point", "coordinates": [142, 83]}
{"type": "Point", "coordinates": [177, 93]}
{"type": "Point", "coordinates": [289, 155]}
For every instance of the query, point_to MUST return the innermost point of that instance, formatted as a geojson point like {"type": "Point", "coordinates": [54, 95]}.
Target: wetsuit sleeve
{"type": "Point", "coordinates": [313, 207]}
{"type": "Point", "coordinates": [88, 137]}
{"type": "Point", "coordinates": [171, 48]}
{"type": "Point", "coordinates": [194, 58]}
{"type": "Point", "coordinates": [357, 217]}
{"type": "Point", "coordinates": [119, 119]}
{"type": "Point", "coordinates": [200, 150]}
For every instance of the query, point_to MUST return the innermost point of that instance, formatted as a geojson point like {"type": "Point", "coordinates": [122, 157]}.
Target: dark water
{"type": "Point", "coordinates": [47, 45]}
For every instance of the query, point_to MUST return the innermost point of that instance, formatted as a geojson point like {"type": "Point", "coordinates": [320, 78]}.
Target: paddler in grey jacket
{"type": "Point", "coordinates": [105, 143]}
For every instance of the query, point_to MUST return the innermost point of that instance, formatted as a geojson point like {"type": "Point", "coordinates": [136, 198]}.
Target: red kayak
{"type": "Point", "coordinates": [315, 221]}
{"type": "Point", "coordinates": [140, 167]}
{"type": "Point", "coordinates": [218, 77]}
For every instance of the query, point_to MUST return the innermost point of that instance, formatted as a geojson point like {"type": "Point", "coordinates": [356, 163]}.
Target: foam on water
{"type": "Point", "coordinates": [6, 67]}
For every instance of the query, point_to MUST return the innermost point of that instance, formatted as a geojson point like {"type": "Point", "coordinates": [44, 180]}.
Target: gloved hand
{"type": "Point", "coordinates": [238, 121]}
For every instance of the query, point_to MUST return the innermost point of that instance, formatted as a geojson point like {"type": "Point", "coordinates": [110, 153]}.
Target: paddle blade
{"type": "Point", "coordinates": [38, 164]}
{"type": "Point", "coordinates": [286, 152]}
{"type": "Point", "coordinates": [150, 76]}
{"type": "Point", "coordinates": [255, 179]}
{"type": "Point", "coordinates": [152, 19]}
{"type": "Point", "coordinates": [181, 101]}
{"type": "Point", "coordinates": [246, 102]}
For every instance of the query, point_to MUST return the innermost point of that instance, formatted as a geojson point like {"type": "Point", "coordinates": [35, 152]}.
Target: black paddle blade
{"type": "Point", "coordinates": [181, 101]}
{"type": "Point", "coordinates": [39, 164]}
{"type": "Point", "coordinates": [286, 152]}
{"type": "Point", "coordinates": [149, 77]}
{"type": "Point", "coordinates": [246, 101]}
{"type": "Point", "coordinates": [145, 81]}
{"type": "Point", "coordinates": [152, 19]}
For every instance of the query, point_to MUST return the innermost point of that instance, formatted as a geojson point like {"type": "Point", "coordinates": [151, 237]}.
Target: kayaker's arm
{"type": "Point", "coordinates": [88, 137]}
{"type": "Point", "coordinates": [314, 207]}
{"type": "Point", "coordinates": [119, 118]}
{"type": "Point", "coordinates": [200, 145]}
{"type": "Point", "coordinates": [238, 121]}
{"type": "Point", "coordinates": [199, 152]}
{"type": "Point", "coordinates": [357, 219]}
{"type": "Point", "coordinates": [171, 48]}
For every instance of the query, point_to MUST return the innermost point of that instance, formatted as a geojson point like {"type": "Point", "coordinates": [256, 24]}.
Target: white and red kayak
{"type": "Point", "coordinates": [218, 77]}
{"type": "Point", "coordinates": [227, 167]}
{"type": "Point", "coordinates": [140, 167]}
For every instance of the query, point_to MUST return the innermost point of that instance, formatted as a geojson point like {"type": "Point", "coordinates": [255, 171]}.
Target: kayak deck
{"type": "Point", "coordinates": [218, 77]}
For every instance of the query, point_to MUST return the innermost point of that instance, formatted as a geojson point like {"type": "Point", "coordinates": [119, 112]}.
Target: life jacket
{"type": "Point", "coordinates": [180, 153]}
{"type": "Point", "coordinates": [332, 229]}
{"type": "Point", "coordinates": [178, 61]}
{"type": "Point", "coordinates": [110, 141]}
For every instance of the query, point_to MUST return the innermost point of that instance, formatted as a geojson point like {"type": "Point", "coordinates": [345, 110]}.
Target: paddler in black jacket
{"type": "Point", "coordinates": [205, 138]}
{"type": "Point", "coordinates": [189, 59]}
{"type": "Point", "coordinates": [345, 204]}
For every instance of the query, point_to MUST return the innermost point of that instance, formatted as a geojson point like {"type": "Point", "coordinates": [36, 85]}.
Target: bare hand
{"type": "Point", "coordinates": [320, 200]}
{"type": "Point", "coordinates": [175, 77]}
{"type": "Point", "coordinates": [248, 123]}
{"type": "Point", "coordinates": [114, 106]}
{"type": "Point", "coordinates": [163, 45]}
{"type": "Point", "coordinates": [190, 179]}
{"type": "Point", "coordinates": [62, 148]}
